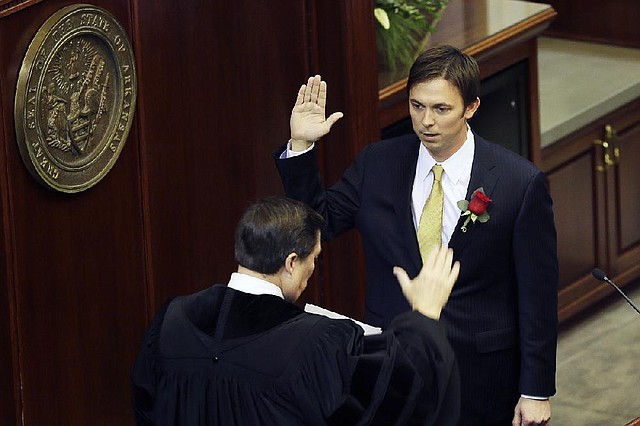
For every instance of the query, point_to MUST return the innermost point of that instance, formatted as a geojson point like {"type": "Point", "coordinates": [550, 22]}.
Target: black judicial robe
{"type": "Point", "coordinates": [224, 357]}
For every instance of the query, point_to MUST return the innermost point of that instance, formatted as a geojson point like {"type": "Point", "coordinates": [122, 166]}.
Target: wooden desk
{"type": "Point", "coordinates": [498, 33]}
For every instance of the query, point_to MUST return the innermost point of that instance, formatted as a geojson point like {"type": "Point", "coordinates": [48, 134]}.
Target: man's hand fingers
{"type": "Point", "coordinates": [439, 259]}
{"type": "Point", "coordinates": [315, 84]}
{"type": "Point", "coordinates": [516, 420]}
{"type": "Point", "coordinates": [439, 265]}
{"type": "Point", "coordinates": [308, 89]}
{"type": "Point", "coordinates": [300, 97]}
{"type": "Point", "coordinates": [430, 261]}
{"type": "Point", "coordinates": [451, 272]}
{"type": "Point", "coordinates": [322, 94]}
{"type": "Point", "coordinates": [333, 118]}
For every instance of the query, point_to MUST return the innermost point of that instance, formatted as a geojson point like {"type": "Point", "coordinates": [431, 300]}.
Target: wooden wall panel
{"type": "Point", "coordinates": [217, 84]}
{"type": "Point", "coordinates": [349, 66]}
{"type": "Point", "coordinates": [85, 272]}
{"type": "Point", "coordinates": [77, 268]}
{"type": "Point", "coordinates": [8, 407]}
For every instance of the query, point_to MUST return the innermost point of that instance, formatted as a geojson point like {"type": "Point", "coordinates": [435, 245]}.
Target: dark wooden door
{"type": "Point", "coordinates": [623, 191]}
{"type": "Point", "coordinates": [579, 208]}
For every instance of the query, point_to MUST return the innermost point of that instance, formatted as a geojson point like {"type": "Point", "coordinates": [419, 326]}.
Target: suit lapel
{"type": "Point", "coordinates": [406, 171]}
{"type": "Point", "coordinates": [483, 175]}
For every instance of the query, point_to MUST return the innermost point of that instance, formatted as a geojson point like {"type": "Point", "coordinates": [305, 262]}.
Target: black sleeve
{"type": "Point", "coordinates": [404, 376]}
{"type": "Point", "coordinates": [338, 205]}
{"type": "Point", "coordinates": [143, 375]}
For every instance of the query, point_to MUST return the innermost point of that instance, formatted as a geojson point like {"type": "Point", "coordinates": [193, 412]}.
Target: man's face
{"type": "Point", "coordinates": [439, 116]}
{"type": "Point", "coordinates": [302, 271]}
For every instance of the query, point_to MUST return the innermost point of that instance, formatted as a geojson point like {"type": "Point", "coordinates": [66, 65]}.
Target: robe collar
{"type": "Point", "coordinates": [253, 285]}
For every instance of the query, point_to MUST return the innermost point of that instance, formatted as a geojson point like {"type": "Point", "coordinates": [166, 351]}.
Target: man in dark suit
{"type": "Point", "coordinates": [495, 212]}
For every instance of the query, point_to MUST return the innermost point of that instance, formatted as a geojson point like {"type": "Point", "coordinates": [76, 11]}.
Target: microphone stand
{"type": "Point", "coordinates": [600, 275]}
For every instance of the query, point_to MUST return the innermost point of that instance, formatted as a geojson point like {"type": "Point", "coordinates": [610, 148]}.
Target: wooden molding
{"type": "Point", "coordinates": [7, 7]}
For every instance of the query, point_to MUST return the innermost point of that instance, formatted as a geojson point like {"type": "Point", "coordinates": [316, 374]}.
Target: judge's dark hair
{"type": "Point", "coordinates": [451, 64]}
{"type": "Point", "coordinates": [273, 228]}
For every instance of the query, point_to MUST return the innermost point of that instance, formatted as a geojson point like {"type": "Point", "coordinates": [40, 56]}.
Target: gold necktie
{"type": "Point", "coordinates": [430, 227]}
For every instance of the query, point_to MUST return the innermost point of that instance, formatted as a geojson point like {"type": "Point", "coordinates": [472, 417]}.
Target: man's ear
{"type": "Point", "coordinates": [290, 262]}
{"type": "Point", "coordinates": [471, 109]}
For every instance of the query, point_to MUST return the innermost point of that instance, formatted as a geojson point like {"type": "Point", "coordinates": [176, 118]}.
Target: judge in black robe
{"type": "Point", "coordinates": [244, 354]}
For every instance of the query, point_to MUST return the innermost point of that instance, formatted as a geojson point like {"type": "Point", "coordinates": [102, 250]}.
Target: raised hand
{"type": "Point", "coordinates": [308, 122]}
{"type": "Point", "coordinates": [429, 291]}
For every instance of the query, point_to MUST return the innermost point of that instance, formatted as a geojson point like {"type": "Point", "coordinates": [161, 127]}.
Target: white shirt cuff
{"type": "Point", "coordinates": [289, 153]}
{"type": "Point", "coordinates": [537, 398]}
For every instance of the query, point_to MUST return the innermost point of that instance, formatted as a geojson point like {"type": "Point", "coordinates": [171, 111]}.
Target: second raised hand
{"type": "Point", "coordinates": [429, 291]}
{"type": "Point", "coordinates": [308, 122]}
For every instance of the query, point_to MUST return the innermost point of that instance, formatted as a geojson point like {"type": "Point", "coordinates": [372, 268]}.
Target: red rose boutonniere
{"type": "Point", "coordinates": [476, 209]}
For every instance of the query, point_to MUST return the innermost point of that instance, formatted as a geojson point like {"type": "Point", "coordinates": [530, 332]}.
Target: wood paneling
{"type": "Point", "coordinates": [624, 195]}
{"type": "Point", "coordinates": [611, 22]}
{"type": "Point", "coordinates": [596, 207]}
{"type": "Point", "coordinates": [217, 84]}
{"type": "Point", "coordinates": [76, 268]}
{"type": "Point", "coordinates": [579, 211]}
{"type": "Point", "coordinates": [82, 274]}
{"type": "Point", "coordinates": [575, 212]}
{"type": "Point", "coordinates": [343, 59]}
{"type": "Point", "coordinates": [8, 403]}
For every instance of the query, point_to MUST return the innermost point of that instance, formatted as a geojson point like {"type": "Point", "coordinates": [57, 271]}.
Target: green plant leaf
{"type": "Point", "coordinates": [382, 17]}
{"type": "Point", "coordinates": [406, 30]}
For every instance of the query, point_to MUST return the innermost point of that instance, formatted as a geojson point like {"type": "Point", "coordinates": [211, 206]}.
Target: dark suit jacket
{"type": "Point", "coordinates": [501, 317]}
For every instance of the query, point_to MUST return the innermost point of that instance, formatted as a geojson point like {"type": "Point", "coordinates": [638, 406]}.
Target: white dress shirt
{"type": "Point", "coordinates": [288, 152]}
{"type": "Point", "coordinates": [252, 285]}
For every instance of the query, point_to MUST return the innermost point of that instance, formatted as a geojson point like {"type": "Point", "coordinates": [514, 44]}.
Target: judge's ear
{"type": "Point", "coordinates": [290, 262]}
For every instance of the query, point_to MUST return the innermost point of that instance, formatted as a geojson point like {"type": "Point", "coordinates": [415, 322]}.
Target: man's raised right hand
{"type": "Point", "coordinates": [308, 123]}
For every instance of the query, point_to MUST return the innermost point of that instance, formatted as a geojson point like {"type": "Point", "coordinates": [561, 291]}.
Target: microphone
{"type": "Point", "coordinates": [601, 276]}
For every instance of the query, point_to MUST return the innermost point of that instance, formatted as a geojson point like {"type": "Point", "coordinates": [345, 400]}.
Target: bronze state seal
{"type": "Point", "coordinates": [75, 98]}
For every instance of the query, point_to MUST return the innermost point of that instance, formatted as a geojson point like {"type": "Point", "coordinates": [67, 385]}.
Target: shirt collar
{"type": "Point", "coordinates": [253, 285]}
{"type": "Point", "coordinates": [454, 166]}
